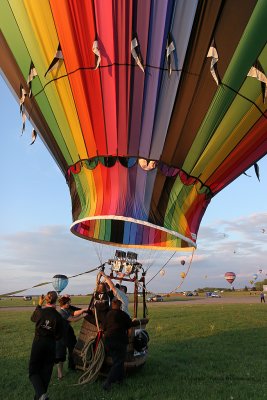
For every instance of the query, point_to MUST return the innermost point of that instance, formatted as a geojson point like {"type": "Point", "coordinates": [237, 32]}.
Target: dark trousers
{"type": "Point", "coordinates": [117, 352]}
{"type": "Point", "coordinates": [71, 343]}
{"type": "Point", "coordinates": [41, 364]}
{"type": "Point", "coordinates": [71, 363]}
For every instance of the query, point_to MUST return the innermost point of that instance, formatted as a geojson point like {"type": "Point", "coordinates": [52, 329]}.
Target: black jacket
{"type": "Point", "coordinates": [48, 323]}
{"type": "Point", "coordinates": [116, 325]}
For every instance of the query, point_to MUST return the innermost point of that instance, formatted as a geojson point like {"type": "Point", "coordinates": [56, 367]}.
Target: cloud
{"type": "Point", "coordinates": [28, 258]}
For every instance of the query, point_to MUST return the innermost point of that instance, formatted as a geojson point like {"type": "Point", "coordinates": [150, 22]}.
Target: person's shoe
{"type": "Point", "coordinates": [44, 397]}
{"type": "Point", "coordinates": [106, 386]}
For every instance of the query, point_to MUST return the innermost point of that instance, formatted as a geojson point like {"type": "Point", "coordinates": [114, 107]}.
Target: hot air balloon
{"type": "Point", "coordinates": [60, 282]}
{"type": "Point", "coordinates": [260, 271]}
{"type": "Point", "coordinates": [182, 275]}
{"type": "Point", "coordinates": [183, 262]}
{"type": "Point", "coordinates": [162, 272]}
{"type": "Point", "coordinates": [230, 277]}
{"type": "Point", "coordinates": [149, 108]}
{"type": "Point", "coordinates": [255, 277]}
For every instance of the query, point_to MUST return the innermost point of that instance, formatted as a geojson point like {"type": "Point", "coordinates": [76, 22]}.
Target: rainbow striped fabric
{"type": "Point", "coordinates": [149, 108]}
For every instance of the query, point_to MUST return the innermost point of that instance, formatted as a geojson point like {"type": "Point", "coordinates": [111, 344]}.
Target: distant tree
{"type": "Point", "coordinates": [259, 286]}
{"type": "Point", "coordinates": [245, 288]}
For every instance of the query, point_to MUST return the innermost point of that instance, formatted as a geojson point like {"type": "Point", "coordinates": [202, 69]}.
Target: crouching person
{"type": "Point", "coordinates": [115, 327]}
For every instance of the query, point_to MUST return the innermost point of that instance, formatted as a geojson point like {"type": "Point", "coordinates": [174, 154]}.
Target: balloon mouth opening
{"type": "Point", "coordinates": [129, 232]}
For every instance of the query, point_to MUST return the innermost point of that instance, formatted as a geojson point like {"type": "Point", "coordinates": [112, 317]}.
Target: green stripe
{"type": "Point", "coordinates": [249, 48]}
{"type": "Point", "coordinates": [48, 107]}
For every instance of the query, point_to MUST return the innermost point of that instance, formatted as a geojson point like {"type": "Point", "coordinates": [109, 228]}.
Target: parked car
{"type": "Point", "coordinates": [215, 295]}
{"type": "Point", "coordinates": [27, 298]}
{"type": "Point", "coordinates": [155, 298]}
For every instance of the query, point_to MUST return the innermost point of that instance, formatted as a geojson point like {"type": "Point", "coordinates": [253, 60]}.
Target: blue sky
{"type": "Point", "coordinates": [35, 215]}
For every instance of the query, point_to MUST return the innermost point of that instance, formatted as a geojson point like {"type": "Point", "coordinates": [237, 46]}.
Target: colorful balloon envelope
{"type": "Point", "coordinates": [182, 275]}
{"type": "Point", "coordinates": [60, 282]}
{"type": "Point", "coordinates": [255, 277]}
{"type": "Point", "coordinates": [230, 277]}
{"type": "Point", "coordinates": [162, 272]}
{"type": "Point", "coordinates": [149, 108]}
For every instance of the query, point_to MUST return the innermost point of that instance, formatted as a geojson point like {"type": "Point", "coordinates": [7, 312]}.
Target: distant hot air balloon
{"type": "Point", "coordinates": [162, 272]}
{"type": "Point", "coordinates": [60, 282]}
{"type": "Point", "coordinates": [182, 275]}
{"type": "Point", "coordinates": [183, 262]}
{"type": "Point", "coordinates": [260, 271]}
{"type": "Point", "coordinates": [230, 277]}
{"type": "Point", "coordinates": [255, 277]}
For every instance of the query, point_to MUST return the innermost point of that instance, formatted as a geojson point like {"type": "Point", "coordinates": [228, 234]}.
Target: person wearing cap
{"type": "Point", "coordinates": [48, 329]}
{"type": "Point", "coordinates": [115, 328]}
{"type": "Point", "coordinates": [69, 314]}
{"type": "Point", "coordinates": [119, 291]}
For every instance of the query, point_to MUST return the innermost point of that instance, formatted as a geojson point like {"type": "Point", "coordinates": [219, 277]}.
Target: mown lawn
{"type": "Point", "coordinates": [196, 352]}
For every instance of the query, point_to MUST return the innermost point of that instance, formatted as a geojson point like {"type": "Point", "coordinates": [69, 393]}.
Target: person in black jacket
{"type": "Point", "coordinates": [115, 327]}
{"type": "Point", "coordinates": [100, 305]}
{"type": "Point", "coordinates": [48, 329]}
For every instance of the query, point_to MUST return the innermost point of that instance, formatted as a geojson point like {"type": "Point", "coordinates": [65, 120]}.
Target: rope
{"type": "Point", "coordinates": [92, 354]}
{"type": "Point", "coordinates": [177, 287]}
{"type": "Point", "coordinates": [47, 283]}
{"type": "Point", "coordinates": [93, 359]}
{"type": "Point", "coordinates": [161, 268]}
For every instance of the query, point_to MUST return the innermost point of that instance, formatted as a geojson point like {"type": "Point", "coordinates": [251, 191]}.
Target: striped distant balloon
{"type": "Point", "coordinates": [230, 277]}
{"type": "Point", "coordinates": [60, 282]}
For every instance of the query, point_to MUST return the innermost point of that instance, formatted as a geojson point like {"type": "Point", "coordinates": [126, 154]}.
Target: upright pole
{"type": "Point", "coordinates": [144, 295]}
{"type": "Point", "coordinates": [135, 294]}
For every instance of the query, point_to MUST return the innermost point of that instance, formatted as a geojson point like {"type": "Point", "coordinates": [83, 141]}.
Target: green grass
{"type": "Point", "coordinates": [195, 352]}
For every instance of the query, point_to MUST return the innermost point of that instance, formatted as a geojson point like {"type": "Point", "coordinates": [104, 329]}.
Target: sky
{"type": "Point", "coordinates": [35, 218]}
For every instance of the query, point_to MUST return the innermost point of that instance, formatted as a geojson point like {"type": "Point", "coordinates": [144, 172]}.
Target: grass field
{"type": "Point", "coordinates": [195, 352]}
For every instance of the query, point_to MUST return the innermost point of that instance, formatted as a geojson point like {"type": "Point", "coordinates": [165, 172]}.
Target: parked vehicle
{"type": "Point", "coordinates": [27, 298]}
{"type": "Point", "coordinates": [215, 295]}
{"type": "Point", "coordinates": [155, 298]}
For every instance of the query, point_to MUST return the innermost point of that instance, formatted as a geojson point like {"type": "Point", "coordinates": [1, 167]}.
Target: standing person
{"type": "Point", "coordinates": [69, 314]}
{"type": "Point", "coordinates": [100, 304]}
{"type": "Point", "coordinates": [115, 327]}
{"type": "Point", "coordinates": [119, 291]}
{"type": "Point", "coordinates": [48, 329]}
{"type": "Point", "coordinates": [262, 297]}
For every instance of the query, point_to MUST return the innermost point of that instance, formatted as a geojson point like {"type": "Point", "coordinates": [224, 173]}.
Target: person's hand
{"type": "Point", "coordinates": [41, 300]}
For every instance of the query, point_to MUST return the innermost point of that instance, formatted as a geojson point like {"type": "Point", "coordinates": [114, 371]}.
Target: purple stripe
{"type": "Point", "coordinates": [156, 51]}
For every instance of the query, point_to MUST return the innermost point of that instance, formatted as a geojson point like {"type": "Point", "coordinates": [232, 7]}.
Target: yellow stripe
{"type": "Point", "coordinates": [239, 118]}
{"type": "Point", "coordinates": [38, 30]}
